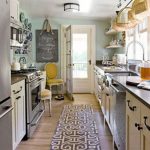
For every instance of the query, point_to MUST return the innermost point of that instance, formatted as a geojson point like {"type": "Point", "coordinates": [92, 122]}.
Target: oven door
{"type": "Point", "coordinates": [34, 104]}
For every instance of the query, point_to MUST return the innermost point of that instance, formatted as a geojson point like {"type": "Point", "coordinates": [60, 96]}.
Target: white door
{"type": "Point", "coordinates": [69, 83]}
{"type": "Point", "coordinates": [81, 59]}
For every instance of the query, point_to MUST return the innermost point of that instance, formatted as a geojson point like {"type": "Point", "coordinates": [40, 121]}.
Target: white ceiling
{"type": "Point", "coordinates": [99, 9]}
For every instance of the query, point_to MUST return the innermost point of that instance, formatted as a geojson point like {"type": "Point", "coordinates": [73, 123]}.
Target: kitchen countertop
{"type": "Point", "coordinates": [142, 95]}
{"type": "Point", "coordinates": [116, 70]}
{"type": "Point", "coordinates": [113, 69]}
{"type": "Point", "coordinates": [15, 79]}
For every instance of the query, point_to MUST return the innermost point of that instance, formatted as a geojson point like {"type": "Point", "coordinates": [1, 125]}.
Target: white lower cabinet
{"type": "Point", "coordinates": [137, 124]}
{"type": "Point", "coordinates": [145, 133]}
{"type": "Point", "coordinates": [18, 113]}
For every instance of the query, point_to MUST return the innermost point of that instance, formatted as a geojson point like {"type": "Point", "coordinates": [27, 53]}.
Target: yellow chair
{"type": "Point", "coordinates": [45, 93]}
{"type": "Point", "coordinates": [51, 74]}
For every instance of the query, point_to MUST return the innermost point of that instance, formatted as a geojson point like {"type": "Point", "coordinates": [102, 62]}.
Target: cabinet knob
{"type": "Point", "coordinates": [17, 98]}
{"type": "Point", "coordinates": [140, 128]}
{"type": "Point", "coordinates": [137, 124]}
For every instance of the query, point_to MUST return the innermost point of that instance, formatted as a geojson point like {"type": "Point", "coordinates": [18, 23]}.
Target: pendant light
{"type": "Point", "coordinates": [141, 8]}
{"type": "Point", "coordinates": [125, 18]}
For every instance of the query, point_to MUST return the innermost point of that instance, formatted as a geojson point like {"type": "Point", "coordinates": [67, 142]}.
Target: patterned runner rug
{"type": "Point", "coordinates": [76, 129]}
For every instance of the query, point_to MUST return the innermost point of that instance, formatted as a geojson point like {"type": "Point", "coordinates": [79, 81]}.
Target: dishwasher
{"type": "Point", "coordinates": [119, 115]}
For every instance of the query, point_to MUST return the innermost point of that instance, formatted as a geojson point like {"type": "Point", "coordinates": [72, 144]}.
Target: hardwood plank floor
{"type": "Point", "coordinates": [42, 137]}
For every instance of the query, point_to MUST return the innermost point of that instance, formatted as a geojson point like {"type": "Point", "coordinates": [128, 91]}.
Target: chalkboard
{"type": "Point", "coordinates": [47, 46]}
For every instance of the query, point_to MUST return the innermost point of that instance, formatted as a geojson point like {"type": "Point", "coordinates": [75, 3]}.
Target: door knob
{"type": "Point", "coordinates": [89, 62]}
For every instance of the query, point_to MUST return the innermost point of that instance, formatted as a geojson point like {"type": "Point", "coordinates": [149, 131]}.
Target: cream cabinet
{"type": "Point", "coordinates": [137, 124]}
{"type": "Point", "coordinates": [18, 113]}
{"type": "Point", "coordinates": [145, 132]}
{"type": "Point", "coordinates": [132, 123]}
{"type": "Point", "coordinates": [98, 87]}
{"type": "Point", "coordinates": [14, 9]}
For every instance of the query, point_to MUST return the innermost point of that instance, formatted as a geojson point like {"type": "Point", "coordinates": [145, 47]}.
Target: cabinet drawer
{"type": "Point", "coordinates": [17, 90]}
{"type": "Point", "coordinates": [132, 106]}
{"type": "Point", "coordinates": [17, 87]}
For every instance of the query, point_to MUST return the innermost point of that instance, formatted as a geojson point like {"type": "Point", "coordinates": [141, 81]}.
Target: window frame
{"type": "Point", "coordinates": [135, 32]}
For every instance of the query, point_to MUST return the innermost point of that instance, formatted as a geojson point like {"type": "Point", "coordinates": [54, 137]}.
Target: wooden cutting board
{"type": "Point", "coordinates": [133, 80]}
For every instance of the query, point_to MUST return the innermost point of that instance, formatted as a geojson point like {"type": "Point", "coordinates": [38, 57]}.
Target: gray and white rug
{"type": "Point", "coordinates": [76, 129]}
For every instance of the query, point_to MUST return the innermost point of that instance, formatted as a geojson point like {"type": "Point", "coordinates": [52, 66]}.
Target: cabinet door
{"type": "Point", "coordinates": [133, 120]}
{"type": "Point", "coordinates": [18, 113]}
{"type": "Point", "coordinates": [107, 109]}
{"type": "Point", "coordinates": [14, 119]}
{"type": "Point", "coordinates": [103, 102]}
{"type": "Point", "coordinates": [145, 133]}
{"type": "Point", "coordinates": [20, 100]}
{"type": "Point", "coordinates": [133, 134]}
{"type": "Point", "coordinates": [133, 106]}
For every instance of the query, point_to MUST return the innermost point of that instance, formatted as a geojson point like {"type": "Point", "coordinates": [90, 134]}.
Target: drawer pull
{"type": "Point", "coordinates": [147, 126]}
{"type": "Point", "coordinates": [137, 124]}
{"type": "Point", "coordinates": [16, 92]}
{"type": "Point", "coordinates": [18, 97]}
{"type": "Point", "coordinates": [140, 128]}
{"type": "Point", "coordinates": [131, 108]}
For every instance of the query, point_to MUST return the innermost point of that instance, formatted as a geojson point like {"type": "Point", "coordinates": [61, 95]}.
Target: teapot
{"type": "Point", "coordinates": [145, 70]}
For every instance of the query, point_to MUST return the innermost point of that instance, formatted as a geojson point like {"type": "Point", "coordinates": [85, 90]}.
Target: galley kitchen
{"type": "Point", "coordinates": [75, 75]}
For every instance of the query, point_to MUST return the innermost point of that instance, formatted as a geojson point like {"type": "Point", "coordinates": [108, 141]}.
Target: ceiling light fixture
{"type": "Point", "coordinates": [71, 7]}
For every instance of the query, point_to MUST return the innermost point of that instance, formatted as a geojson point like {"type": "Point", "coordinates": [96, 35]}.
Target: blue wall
{"type": "Point", "coordinates": [101, 39]}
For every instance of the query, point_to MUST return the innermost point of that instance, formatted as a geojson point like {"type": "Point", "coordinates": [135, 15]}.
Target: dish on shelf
{"type": "Point", "coordinates": [111, 31]}
{"type": "Point", "coordinates": [26, 23]}
{"type": "Point", "coordinates": [29, 26]}
{"type": "Point", "coordinates": [22, 17]}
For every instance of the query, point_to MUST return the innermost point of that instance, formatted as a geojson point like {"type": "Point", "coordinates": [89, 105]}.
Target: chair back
{"type": "Point", "coordinates": [51, 70]}
{"type": "Point", "coordinates": [43, 82]}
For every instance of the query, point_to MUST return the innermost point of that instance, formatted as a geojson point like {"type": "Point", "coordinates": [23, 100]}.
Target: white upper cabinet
{"type": "Point", "coordinates": [14, 9]}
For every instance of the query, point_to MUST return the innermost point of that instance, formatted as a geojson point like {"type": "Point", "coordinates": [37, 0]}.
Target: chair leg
{"type": "Point", "coordinates": [63, 89]}
{"type": "Point", "coordinates": [49, 107]}
{"type": "Point", "coordinates": [44, 105]}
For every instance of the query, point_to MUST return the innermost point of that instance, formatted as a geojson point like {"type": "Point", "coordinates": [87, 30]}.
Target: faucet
{"type": "Point", "coordinates": [132, 42]}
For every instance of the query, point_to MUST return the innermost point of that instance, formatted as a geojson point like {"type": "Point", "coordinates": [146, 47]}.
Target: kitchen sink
{"type": "Point", "coordinates": [133, 74]}
{"type": "Point", "coordinates": [112, 68]}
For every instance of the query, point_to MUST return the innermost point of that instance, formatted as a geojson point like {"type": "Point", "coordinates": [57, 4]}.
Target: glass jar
{"type": "Point", "coordinates": [145, 70]}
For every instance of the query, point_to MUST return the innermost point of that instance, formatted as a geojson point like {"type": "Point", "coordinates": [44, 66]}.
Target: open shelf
{"type": "Point", "coordinates": [114, 46]}
{"type": "Point", "coordinates": [111, 32]}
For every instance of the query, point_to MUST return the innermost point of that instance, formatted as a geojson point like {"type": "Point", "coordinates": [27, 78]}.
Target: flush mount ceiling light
{"type": "Point", "coordinates": [71, 7]}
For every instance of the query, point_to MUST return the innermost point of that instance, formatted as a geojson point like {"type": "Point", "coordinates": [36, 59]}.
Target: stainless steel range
{"type": "Point", "coordinates": [34, 109]}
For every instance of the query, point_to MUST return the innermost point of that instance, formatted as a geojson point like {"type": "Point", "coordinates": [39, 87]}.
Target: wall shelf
{"type": "Point", "coordinates": [114, 46]}
{"type": "Point", "coordinates": [111, 32]}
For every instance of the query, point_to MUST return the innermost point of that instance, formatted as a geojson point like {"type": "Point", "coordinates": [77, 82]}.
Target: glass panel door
{"type": "Point", "coordinates": [80, 66]}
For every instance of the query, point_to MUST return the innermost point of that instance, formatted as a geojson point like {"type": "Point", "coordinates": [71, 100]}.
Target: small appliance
{"type": "Point", "coordinates": [119, 59]}
{"type": "Point", "coordinates": [15, 66]}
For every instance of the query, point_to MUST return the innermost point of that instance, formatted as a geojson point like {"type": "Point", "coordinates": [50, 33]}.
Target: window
{"type": "Point", "coordinates": [80, 67]}
{"type": "Point", "coordinates": [137, 41]}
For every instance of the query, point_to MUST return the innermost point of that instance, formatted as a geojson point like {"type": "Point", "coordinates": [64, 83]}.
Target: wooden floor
{"type": "Point", "coordinates": [42, 137]}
